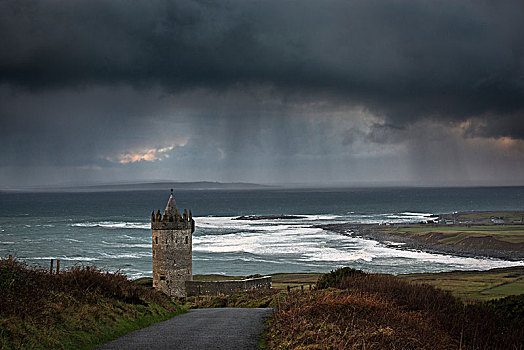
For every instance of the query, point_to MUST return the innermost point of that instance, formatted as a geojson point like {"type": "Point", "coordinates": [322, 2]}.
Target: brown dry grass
{"type": "Point", "coordinates": [385, 312]}
{"type": "Point", "coordinates": [77, 308]}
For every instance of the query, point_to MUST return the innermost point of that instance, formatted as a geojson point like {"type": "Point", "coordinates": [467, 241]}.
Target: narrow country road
{"type": "Point", "coordinates": [224, 328]}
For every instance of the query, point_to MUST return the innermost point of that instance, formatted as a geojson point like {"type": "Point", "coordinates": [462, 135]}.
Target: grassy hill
{"type": "Point", "coordinates": [76, 309]}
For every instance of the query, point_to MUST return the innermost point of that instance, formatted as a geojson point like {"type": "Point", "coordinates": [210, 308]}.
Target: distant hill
{"type": "Point", "coordinates": [149, 186]}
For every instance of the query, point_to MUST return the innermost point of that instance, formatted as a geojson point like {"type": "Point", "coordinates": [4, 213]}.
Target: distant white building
{"type": "Point", "coordinates": [497, 220]}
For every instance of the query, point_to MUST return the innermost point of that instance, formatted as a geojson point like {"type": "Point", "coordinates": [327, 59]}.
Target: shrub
{"type": "Point", "coordinates": [334, 278]}
{"type": "Point", "coordinates": [511, 306]}
{"type": "Point", "coordinates": [384, 311]}
{"type": "Point", "coordinates": [77, 308]}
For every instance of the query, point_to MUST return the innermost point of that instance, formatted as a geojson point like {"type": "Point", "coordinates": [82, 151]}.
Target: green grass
{"type": "Point", "coordinates": [89, 332]}
{"type": "Point", "coordinates": [475, 285]}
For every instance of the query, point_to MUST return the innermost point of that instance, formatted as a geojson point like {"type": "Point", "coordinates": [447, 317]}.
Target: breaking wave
{"type": "Point", "coordinates": [114, 225]}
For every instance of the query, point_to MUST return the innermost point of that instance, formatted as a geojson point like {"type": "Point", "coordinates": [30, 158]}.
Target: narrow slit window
{"type": "Point", "coordinates": [156, 240]}
{"type": "Point", "coordinates": [187, 239]}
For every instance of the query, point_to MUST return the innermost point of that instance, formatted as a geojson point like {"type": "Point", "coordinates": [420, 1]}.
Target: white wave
{"type": "Point", "coordinates": [7, 242]}
{"type": "Point", "coordinates": [424, 215]}
{"type": "Point", "coordinates": [336, 255]}
{"type": "Point", "coordinates": [398, 244]}
{"type": "Point", "coordinates": [321, 217]}
{"type": "Point", "coordinates": [126, 255]}
{"type": "Point", "coordinates": [409, 216]}
{"type": "Point", "coordinates": [114, 224]}
{"type": "Point", "coordinates": [126, 245]}
{"type": "Point", "coordinates": [78, 258]}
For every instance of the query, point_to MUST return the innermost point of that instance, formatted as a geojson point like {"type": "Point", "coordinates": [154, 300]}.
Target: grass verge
{"type": "Point", "coordinates": [76, 309]}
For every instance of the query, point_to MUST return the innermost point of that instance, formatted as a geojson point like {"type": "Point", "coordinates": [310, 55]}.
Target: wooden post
{"type": "Point", "coordinates": [57, 266]}
{"type": "Point", "coordinates": [51, 267]}
{"type": "Point", "coordinates": [302, 288]}
{"type": "Point", "coordinates": [288, 289]}
{"type": "Point", "coordinates": [9, 258]}
{"type": "Point", "coordinates": [309, 286]}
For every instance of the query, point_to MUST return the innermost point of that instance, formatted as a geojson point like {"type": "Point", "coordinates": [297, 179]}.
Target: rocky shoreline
{"type": "Point", "coordinates": [368, 231]}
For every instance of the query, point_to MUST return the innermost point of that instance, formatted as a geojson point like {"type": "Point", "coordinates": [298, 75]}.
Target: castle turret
{"type": "Point", "coordinates": [172, 249]}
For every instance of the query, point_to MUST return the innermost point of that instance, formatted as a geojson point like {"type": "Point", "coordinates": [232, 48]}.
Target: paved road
{"type": "Point", "coordinates": [225, 328]}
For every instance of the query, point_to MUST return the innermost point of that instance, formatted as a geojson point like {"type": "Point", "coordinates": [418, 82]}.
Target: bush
{"type": "Point", "coordinates": [77, 308]}
{"type": "Point", "coordinates": [511, 306]}
{"type": "Point", "coordinates": [334, 278]}
{"type": "Point", "coordinates": [384, 311]}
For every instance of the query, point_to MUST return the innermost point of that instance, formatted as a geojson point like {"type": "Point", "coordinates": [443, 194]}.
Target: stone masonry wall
{"type": "Point", "coordinates": [172, 260]}
{"type": "Point", "coordinates": [226, 287]}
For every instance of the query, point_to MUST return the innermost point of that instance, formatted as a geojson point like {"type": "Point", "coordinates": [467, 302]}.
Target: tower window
{"type": "Point", "coordinates": [187, 240]}
{"type": "Point", "coordinates": [156, 240]}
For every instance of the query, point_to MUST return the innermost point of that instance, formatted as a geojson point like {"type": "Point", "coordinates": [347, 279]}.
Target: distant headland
{"type": "Point", "coordinates": [145, 186]}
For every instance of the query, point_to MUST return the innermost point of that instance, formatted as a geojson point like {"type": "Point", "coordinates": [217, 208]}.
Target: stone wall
{"type": "Point", "coordinates": [226, 287]}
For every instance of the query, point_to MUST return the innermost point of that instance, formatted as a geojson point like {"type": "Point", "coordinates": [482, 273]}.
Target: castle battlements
{"type": "Point", "coordinates": [174, 221]}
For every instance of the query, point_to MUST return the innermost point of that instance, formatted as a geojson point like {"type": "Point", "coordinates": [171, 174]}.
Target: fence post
{"type": "Point", "coordinates": [288, 289]}
{"type": "Point", "coordinates": [10, 258]}
{"type": "Point", "coordinates": [51, 267]}
{"type": "Point", "coordinates": [57, 266]}
{"type": "Point", "coordinates": [302, 288]}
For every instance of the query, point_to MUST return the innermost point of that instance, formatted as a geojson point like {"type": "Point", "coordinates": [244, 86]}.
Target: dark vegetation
{"type": "Point", "coordinates": [78, 308]}
{"type": "Point", "coordinates": [511, 306]}
{"type": "Point", "coordinates": [351, 309]}
{"type": "Point", "coordinates": [335, 278]}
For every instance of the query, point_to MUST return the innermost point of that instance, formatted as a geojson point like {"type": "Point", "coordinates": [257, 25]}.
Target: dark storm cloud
{"type": "Point", "coordinates": [403, 60]}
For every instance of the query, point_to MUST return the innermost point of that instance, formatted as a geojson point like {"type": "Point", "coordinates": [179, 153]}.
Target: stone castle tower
{"type": "Point", "coordinates": [172, 249]}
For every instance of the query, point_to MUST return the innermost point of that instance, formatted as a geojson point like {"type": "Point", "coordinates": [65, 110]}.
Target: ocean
{"type": "Point", "coordinates": [112, 229]}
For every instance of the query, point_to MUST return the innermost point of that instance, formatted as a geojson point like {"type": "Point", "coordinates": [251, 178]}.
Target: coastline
{"type": "Point", "coordinates": [369, 231]}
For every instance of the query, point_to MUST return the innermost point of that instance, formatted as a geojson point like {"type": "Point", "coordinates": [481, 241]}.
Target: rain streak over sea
{"type": "Point", "coordinates": [112, 229]}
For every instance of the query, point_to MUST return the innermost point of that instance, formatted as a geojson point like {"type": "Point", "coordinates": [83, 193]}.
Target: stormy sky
{"type": "Point", "coordinates": [315, 92]}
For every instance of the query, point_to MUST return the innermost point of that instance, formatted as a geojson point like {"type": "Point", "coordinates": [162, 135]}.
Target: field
{"type": "Point", "coordinates": [484, 216]}
{"type": "Point", "coordinates": [466, 285]}
{"type": "Point", "coordinates": [475, 285]}
{"type": "Point", "coordinates": [502, 237]}
{"type": "Point", "coordinates": [279, 280]}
